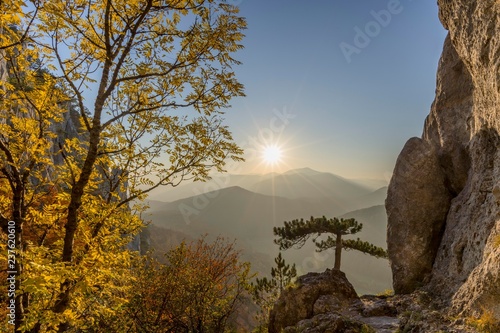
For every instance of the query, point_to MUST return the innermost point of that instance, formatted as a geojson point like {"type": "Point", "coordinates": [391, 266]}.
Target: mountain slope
{"type": "Point", "coordinates": [250, 217]}
{"type": "Point", "coordinates": [220, 181]}
{"type": "Point", "coordinates": [306, 184]}
{"type": "Point", "coordinates": [374, 198]}
{"type": "Point", "coordinates": [374, 221]}
{"type": "Point", "coordinates": [234, 211]}
{"type": "Point", "coordinates": [302, 183]}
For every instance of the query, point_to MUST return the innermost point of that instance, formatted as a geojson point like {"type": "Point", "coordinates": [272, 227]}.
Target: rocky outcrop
{"type": "Point", "coordinates": [325, 303]}
{"type": "Point", "coordinates": [443, 201]}
{"type": "Point", "coordinates": [325, 323]}
{"type": "Point", "coordinates": [314, 294]}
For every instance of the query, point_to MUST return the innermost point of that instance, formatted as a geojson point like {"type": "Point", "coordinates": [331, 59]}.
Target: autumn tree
{"type": "Point", "coordinates": [198, 289]}
{"type": "Point", "coordinates": [30, 102]}
{"type": "Point", "coordinates": [296, 232]}
{"type": "Point", "coordinates": [266, 291]}
{"type": "Point", "coordinates": [115, 74]}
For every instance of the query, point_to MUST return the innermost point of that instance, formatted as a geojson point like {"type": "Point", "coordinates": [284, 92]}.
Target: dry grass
{"type": "Point", "coordinates": [496, 241]}
{"type": "Point", "coordinates": [487, 323]}
{"type": "Point", "coordinates": [386, 293]}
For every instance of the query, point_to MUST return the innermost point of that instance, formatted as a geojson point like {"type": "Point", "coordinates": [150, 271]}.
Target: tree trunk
{"type": "Point", "coordinates": [71, 226]}
{"type": "Point", "coordinates": [77, 193]}
{"type": "Point", "coordinates": [78, 190]}
{"type": "Point", "coordinates": [338, 251]}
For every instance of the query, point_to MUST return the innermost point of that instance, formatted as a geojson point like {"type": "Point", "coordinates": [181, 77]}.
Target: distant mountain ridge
{"type": "Point", "coordinates": [303, 171]}
{"type": "Point", "coordinates": [249, 216]}
{"type": "Point", "coordinates": [293, 184]}
{"type": "Point", "coordinates": [234, 209]}
{"type": "Point", "coordinates": [310, 185]}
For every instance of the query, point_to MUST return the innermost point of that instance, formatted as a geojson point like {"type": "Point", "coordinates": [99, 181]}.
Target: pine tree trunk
{"type": "Point", "coordinates": [338, 251]}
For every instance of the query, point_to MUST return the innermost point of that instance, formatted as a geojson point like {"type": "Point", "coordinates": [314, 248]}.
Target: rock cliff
{"type": "Point", "coordinates": [443, 202]}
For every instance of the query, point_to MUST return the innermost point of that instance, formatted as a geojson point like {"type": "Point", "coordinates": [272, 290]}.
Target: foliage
{"type": "Point", "coordinates": [354, 244]}
{"type": "Point", "coordinates": [91, 121]}
{"type": "Point", "coordinates": [486, 323]}
{"type": "Point", "coordinates": [367, 329]}
{"type": "Point", "coordinates": [296, 232]}
{"type": "Point", "coordinates": [198, 290]}
{"type": "Point", "coordinates": [386, 293]}
{"type": "Point", "coordinates": [267, 291]}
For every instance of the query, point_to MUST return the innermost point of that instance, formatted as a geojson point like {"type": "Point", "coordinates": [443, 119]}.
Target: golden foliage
{"type": "Point", "coordinates": [486, 323]}
{"type": "Point", "coordinates": [91, 94]}
{"type": "Point", "coordinates": [199, 288]}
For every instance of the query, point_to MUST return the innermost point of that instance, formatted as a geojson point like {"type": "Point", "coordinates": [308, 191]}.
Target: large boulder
{"type": "Point", "coordinates": [314, 294]}
{"type": "Point", "coordinates": [415, 229]}
{"type": "Point", "coordinates": [460, 154]}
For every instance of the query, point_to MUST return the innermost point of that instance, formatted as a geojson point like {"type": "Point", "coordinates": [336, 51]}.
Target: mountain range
{"type": "Point", "coordinates": [246, 208]}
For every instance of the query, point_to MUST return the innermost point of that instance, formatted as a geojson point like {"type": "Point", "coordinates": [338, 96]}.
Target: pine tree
{"type": "Point", "coordinates": [296, 232]}
{"type": "Point", "coordinates": [267, 291]}
{"type": "Point", "coordinates": [281, 276]}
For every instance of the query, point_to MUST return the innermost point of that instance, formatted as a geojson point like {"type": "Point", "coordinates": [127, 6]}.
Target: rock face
{"type": "Point", "coordinates": [315, 294]}
{"type": "Point", "coordinates": [443, 202]}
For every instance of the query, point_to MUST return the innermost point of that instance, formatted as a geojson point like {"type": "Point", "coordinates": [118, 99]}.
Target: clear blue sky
{"type": "Point", "coordinates": [351, 118]}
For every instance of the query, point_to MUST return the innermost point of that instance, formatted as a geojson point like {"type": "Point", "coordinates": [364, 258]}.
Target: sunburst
{"type": "Point", "coordinates": [272, 154]}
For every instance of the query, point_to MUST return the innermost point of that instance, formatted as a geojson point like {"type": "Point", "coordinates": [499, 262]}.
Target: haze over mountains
{"type": "Point", "coordinates": [247, 207]}
{"type": "Point", "coordinates": [297, 183]}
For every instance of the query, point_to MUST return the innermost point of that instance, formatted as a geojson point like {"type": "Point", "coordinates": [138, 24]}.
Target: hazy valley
{"type": "Point", "coordinates": [247, 207]}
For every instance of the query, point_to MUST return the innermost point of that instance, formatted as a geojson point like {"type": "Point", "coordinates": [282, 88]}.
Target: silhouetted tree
{"type": "Point", "coordinates": [297, 232]}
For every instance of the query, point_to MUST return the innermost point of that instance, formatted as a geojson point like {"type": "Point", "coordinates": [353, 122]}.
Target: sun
{"type": "Point", "coordinates": [272, 154]}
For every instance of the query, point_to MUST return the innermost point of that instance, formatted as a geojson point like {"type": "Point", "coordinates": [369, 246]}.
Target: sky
{"type": "Point", "coordinates": [339, 86]}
